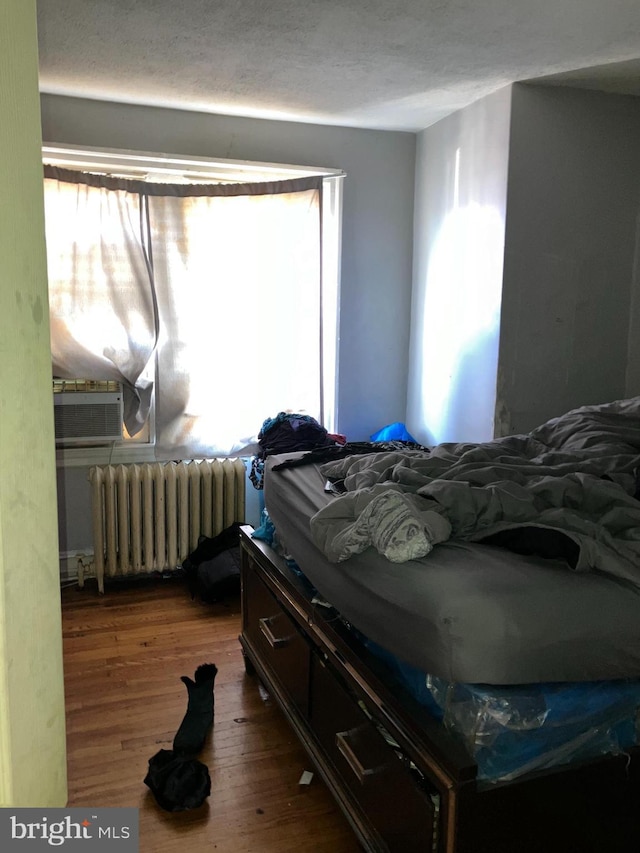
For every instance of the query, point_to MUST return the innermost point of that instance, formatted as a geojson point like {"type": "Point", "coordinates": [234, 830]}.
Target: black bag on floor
{"type": "Point", "coordinates": [213, 569]}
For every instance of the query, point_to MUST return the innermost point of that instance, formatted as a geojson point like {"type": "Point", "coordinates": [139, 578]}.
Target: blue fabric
{"type": "Point", "coordinates": [266, 531]}
{"type": "Point", "coordinates": [392, 432]}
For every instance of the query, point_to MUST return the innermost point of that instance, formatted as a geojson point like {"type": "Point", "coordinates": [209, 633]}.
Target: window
{"type": "Point", "coordinates": [212, 299]}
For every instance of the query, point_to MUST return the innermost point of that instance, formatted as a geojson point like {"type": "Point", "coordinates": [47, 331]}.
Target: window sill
{"type": "Point", "coordinates": [78, 457]}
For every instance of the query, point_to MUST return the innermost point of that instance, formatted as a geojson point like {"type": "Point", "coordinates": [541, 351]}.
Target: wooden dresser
{"type": "Point", "coordinates": [404, 784]}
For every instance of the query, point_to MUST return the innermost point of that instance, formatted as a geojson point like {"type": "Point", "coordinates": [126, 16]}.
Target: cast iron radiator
{"type": "Point", "coordinates": [148, 517]}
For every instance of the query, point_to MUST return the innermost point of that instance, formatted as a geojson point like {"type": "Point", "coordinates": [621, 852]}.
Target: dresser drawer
{"type": "Point", "coordinates": [282, 646]}
{"type": "Point", "coordinates": [395, 802]}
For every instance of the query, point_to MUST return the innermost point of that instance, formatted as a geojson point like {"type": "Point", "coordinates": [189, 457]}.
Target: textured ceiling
{"type": "Point", "coordinates": [388, 64]}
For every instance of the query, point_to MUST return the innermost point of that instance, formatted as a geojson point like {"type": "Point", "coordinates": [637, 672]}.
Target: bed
{"type": "Point", "coordinates": [489, 595]}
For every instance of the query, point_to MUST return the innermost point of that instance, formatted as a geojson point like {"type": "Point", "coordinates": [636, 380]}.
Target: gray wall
{"type": "Point", "coordinates": [526, 287]}
{"type": "Point", "coordinates": [632, 383]}
{"type": "Point", "coordinates": [461, 185]}
{"type": "Point", "coordinates": [377, 223]}
{"type": "Point", "coordinates": [569, 288]}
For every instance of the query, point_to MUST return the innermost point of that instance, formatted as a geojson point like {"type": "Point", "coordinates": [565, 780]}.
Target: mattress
{"type": "Point", "coordinates": [468, 612]}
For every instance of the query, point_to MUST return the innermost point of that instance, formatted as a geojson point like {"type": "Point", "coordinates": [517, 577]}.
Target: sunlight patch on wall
{"type": "Point", "coordinates": [461, 325]}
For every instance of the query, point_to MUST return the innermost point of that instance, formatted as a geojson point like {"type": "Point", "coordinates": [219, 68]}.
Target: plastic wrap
{"type": "Point", "coordinates": [511, 731]}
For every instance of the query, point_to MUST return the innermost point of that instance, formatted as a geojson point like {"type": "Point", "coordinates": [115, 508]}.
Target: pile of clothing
{"type": "Point", "coordinates": [285, 433]}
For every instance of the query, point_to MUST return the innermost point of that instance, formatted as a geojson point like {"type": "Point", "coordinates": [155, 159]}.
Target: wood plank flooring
{"type": "Point", "coordinates": [124, 653]}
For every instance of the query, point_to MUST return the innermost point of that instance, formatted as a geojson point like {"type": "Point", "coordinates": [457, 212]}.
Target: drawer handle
{"type": "Point", "coordinates": [361, 771]}
{"type": "Point", "coordinates": [265, 628]}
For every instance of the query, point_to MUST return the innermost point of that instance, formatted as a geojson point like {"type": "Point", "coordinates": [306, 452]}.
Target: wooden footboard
{"type": "Point", "coordinates": [404, 784]}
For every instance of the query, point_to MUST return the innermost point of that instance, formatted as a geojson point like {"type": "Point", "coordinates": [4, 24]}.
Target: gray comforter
{"type": "Point", "coordinates": [576, 475]}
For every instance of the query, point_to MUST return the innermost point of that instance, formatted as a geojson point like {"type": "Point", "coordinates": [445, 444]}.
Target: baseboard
{"type": "Point", "coordinates": [72, 561]}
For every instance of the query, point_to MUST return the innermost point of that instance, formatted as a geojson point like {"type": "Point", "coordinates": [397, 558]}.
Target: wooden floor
{"type": "Point", "coordinates": [124, 653]}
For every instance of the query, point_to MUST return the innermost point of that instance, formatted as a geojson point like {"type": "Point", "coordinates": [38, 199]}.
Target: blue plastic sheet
{"type": "Point", "coordinates": [513, 730]}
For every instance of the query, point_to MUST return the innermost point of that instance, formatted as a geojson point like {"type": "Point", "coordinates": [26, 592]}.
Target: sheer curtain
{"type": "Point", "coordinates": [218, 287]}
{"type": "Point", "coordinates": [101, 296]}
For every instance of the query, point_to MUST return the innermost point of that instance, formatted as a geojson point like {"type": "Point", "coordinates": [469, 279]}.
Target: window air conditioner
{"type": "Point", "coordinates": [87, 411]}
